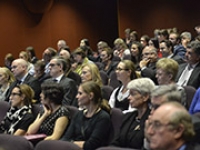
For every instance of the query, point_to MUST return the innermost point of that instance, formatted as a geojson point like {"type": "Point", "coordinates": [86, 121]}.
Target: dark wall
{"type": "Point", "coordinates": [145, 16]}
{"type": "Point", "coordinates": [23, 25]}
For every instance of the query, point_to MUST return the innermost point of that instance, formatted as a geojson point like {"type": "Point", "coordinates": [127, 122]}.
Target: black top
{"type": "Point", "coordinates": [131, 133]}
{"type": "Point", "coordinates": [94, 131]}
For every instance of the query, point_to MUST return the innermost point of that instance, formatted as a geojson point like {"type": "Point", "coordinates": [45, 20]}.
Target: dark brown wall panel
{"type": "Point", "coordinates": [69, 20]}
{"type": "Point", "coordinates": [145, 16]}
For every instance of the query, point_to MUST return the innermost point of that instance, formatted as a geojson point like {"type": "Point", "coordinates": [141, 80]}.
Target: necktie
{"type": "Point", "coordinates": [55, 80]}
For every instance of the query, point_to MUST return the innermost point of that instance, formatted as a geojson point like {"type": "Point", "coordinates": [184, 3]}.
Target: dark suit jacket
{"type": "Point", "coordinates": [194, 79]}
{"type": "Point", "coordinates": [178, 59]}
{"type": "Point", "coordinates": [131, 131]}
{"type": "Point", "coordinates": [70, 89]}
{"type": "Point", "coordinates": [32, 82]}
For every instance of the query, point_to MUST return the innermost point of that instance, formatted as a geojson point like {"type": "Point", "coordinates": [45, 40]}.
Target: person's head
{"type": "Point", "coordinates": [61, 44]}
{"type": "Point", "coordinates": [89, 92]}
{"type": "Point", "coordinates": [24, 55]}
{"type": "Point", "coordinates": [163, 35]}
{"type": "Point", "coordinates": [125, 70]}
{"type": "Point", "coordinates": [127, 32]}
{"type": "Point", "coordinates": [166, 71]}
{"type": "Point", "coordinates": [169, 127]}
{"type": "Point", "coordinates": [136, 49]}
{"type": "Point", "coordinates": [101, 45]}
{"type": "Point", "coordinates": [90, 72]}
{"type": "Point", "coordinates": [186, 37]}
{"type": "Point", "coordinates": [134, 36]}
{"type": "Point", "coordinates": [153, 42]}
{"type": "Point", "coordinates": [6, 76]}
{"type": "Point", "coordinates": [166, 48]}
{"type": "Point", "coordinates": [48, 54]}
{"type": "Point", "coordinates": [106, 54]}
{"type": "Point", "coordinates": [19, 68]}
{"type": "Point", "coordinates": [174, 37]}
{"type": "Point", "coordinates": [8, 60]}
{"type": "Point", "coordinates": [164, 93]}
{"type": "Point", "coordinates": [84, 42]}
{"type": "Point", "coordinates": [150, 53]}
{"type": "Point", "coordinates": [120, 44]}
{"type": "Point", "coordinates": [52, 93]}
{"type": "Point", "coordinates": [79, 55]}
{"type": "Point", "coordinates": [39, 68]}
{"type": "Point", "coordinates": [192, 54]}
{"type": "Point", "coordinates": [30, 51]}
{"type": "Point", "coordinates": [144, 40]}
{"type": "Point", "coordinates": [21, 95]}
{"type": "Point", "coordinates": [140, 91]}
{"type": "Point", "coordinates": [197, 29]}
{"type": "Point", "coordinates": [64, 53]}
{"type": "Point", "coordinates": [57, 66]}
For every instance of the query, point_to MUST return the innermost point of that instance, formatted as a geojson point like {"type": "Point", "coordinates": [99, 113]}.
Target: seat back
{"type": "Point", "coordinates": [116, 120]}
{"type": "Point", "coordinates": [113, 80]}
{"type": "Point", "coordinates": [4, 107]}
{"type": "Point", "coordinates": [36, 108]}
{"type": "Point", "coordinates": [104, 77]}
{"type": "Point", "coordinates": [106, 92]}
{"type": "Point", "coordinates": [10, 142]}
{"type": "Point", "coordinates": [190, 91]}
{"type": "Point", "coordinates": [56, 145]}
{"type": "Point", "coordinates": [72, 110]}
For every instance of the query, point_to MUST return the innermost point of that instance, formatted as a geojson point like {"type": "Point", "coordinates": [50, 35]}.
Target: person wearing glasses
{"type": "Point", "coordinates": [58, 68]}
{"type": "Point", "coordinates": [19, 116]}
{"type": "Point", "coordinates": [125, 72]}
{"type": "Point", "coordinates": [171, 128]}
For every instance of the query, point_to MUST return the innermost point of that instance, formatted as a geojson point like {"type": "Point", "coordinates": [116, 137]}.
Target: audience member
{"type": "Point", "coordinates": [144, 40]}
{"type": "Point", "coordinates": [61, 44]}
{"type": "Point", "coordinates": [125, 73]}
{"type": "Point", "coordinates": [19, 117]}
{"type": "Point", "coordinates": [148, 63]}
{"type": "Point", "coordinates": [6, 79]}
{"type": "Point", "coordinates": [40, 74]}
{"type": "Point", "coordinates": [163, 35]}
{"type": "Point", "coordinates": [131, 133]}
{"type": "Point", "coordinates": [174, 37]}
{"type": "Point", "coordinates": [80, 59]}
{"type": "Point", "coordinates": [189, 72]}
{"type": "Point", "coordinates": [100, 46]}
{"type": "Point", "coordinates": [8, 60]}
{"type": "Point", "coordinates": [127, 32]}
{"type": "Point", "coordinates": [166, 48]}
{"type": "Point", "coordinates": [121, 50]}
{"type": "Point", "coordinates": [186, 37]}
{"type": "Point", "coordinates": [54, 119]}
{"type": "Point", "coordinates": [24, 55]}
{"type": "Point", "coordinates": [57, 67]}
{"type": "Point", "coordinates": [170, 127]}
{"type": "Point", "coordinates": [90, 127]}
{"type": "Point", "coordinates": [31, 53]}
{"type": "Point", "coordinates": [20, 71]}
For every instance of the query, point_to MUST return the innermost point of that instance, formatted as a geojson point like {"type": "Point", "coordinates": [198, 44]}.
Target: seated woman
{"type": "Point", "coordinates": [19, 117]}
{"type": "Point", "coordinates": [125, 73]}
{"type": "Point", "coordinates": [54, 119]}
{"type": "Point", "coordinates": [6, 78]}
{"type": "Point", "coordinates": [90, 127]}
{"type": "Point", "coordinates": [131, 133]}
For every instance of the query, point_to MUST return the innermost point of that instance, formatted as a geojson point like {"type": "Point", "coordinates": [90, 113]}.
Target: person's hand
{"type": "Point", "coordinates": [47, 110]}
{"type": "Point", "coordinates": [144, 63]}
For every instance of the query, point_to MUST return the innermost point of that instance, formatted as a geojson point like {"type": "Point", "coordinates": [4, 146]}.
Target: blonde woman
{"type": "Point", "coordinates": [6, 78]}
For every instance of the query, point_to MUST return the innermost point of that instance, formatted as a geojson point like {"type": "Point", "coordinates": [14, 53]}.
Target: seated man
{"type": "Point", "coordinates": [170, 128]}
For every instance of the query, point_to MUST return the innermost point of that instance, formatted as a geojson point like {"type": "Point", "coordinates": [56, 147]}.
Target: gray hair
{"type": "Point", "coordinates": [142, 85]}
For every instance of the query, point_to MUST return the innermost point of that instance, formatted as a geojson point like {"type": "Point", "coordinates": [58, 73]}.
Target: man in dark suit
{"type": "Point", "coordinates": [170, 128]}
{"type": "Point", "coordinates": [189, 72]}
{"type": "Point", "coordinates": [19, 68]}
{"type": "Point", "coordinates": [166, 48]}
{"type": "Point", "coordinates": [58, 67]}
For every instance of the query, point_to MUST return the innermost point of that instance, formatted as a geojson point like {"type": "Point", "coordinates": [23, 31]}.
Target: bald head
{"type": "Point", "coordinates": [19, 68]}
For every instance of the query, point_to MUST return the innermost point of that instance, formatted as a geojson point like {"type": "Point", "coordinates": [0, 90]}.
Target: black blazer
{"type": "Point", "coordinates": [32, 82]}
{"type": "Point", "coordinates": [194, 79]}
{"type": "Point", "coordinates": [133, 139]}
{"type": "Point", "coordinates": [70, 89]}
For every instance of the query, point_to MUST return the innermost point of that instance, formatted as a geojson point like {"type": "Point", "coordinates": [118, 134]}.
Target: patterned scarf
{"type": "Point", "coordinates": [12, 118]}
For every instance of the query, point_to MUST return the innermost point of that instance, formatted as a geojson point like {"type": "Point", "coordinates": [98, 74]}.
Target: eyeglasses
{"type": "Point", "coordinates": [156, 125]}
{"type": "Point", "coordinates": [120, 69]}
{"type": "Point", "coordinates": [15, 94]}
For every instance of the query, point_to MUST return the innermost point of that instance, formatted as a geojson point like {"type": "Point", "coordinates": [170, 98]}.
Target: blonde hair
{"type": "Point", "coordinates": [94, 73]}
{"type": "Point", "coordinates": [8, 74]}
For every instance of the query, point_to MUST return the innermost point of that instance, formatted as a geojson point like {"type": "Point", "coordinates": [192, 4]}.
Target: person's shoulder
{"type": "Point", "coordinates": [193, 146]}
